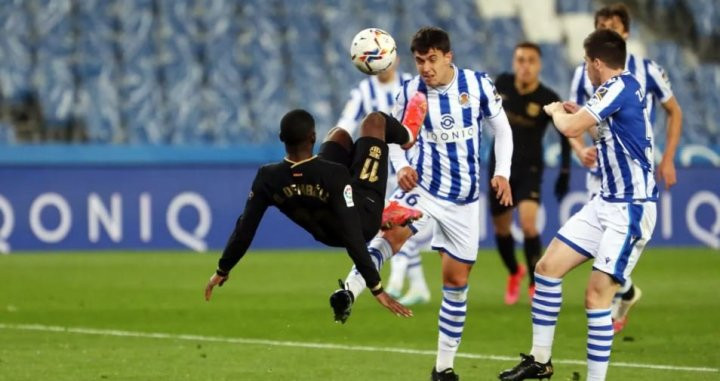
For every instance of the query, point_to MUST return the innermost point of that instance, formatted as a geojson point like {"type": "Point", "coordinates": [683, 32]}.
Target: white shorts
{"type": "Point", "coordinates": [613, 233]}
{"type": "Point", "coordinates": [456, 229]}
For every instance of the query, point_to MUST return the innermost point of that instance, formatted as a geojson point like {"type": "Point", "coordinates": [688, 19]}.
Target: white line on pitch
{"type": "Point", "coordinates": [299, 344]}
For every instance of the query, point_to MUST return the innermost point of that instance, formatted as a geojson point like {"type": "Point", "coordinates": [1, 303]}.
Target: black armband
{"type": "Point", "coordinates": [222, 273]}
{"type": "Point", "coordinates": [377, 290]}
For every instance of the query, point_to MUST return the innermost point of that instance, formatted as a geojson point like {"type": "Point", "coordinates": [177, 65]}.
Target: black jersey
{"type": "Point", "coordinates": [528, 121]}
{"type": "Point", "coordinates": [317, 195]}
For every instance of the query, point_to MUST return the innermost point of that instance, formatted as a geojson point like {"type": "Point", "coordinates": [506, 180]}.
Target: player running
{"type": "Point", "coordinates": [523, 97]}
{"type": "Point", "coordinates": [656, 86]}
{"type": "Point", "coordinates": [613, 228]}
{"type": "Point", "coordinates": [443, 177]}
{"type": "Point", "coordinates": [337, 196]}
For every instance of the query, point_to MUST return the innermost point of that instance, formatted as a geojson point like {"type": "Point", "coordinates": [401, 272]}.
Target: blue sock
{"type": "Point", "coordinates": [599, 342]}
{"type": "Point", "coordinates": [451, 322]}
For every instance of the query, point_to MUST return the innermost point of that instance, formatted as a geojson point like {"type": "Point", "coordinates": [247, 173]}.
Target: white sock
{"type": "Point", "coordinates": [451, 321]}
{"type": "Point", "coordinates": [599, 343]}
{"type": "Point", "coordinates": [398, 266]}
{"type": "Point", "coordinates": [545, 310]}
{"type": "Point", "coordinates": [380, 250]}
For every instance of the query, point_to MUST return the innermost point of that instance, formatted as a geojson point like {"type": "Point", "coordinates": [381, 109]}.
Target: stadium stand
{"type": "Point", "coordinates": [182, 72]}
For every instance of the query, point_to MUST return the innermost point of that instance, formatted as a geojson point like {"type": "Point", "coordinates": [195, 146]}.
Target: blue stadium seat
{"type": "Point", "coordinates": [16, 65]}
{"type": "Point", "coordinates": [142, 107]}
{"type": "Point", "coordinates": [53, 72]}
{"type": "Point", "coordinates": [573, 6]}
{"type": "Point", "coordinates": [704, 14]}
{"type": "Point", "coordinates": [179, 64]}
{"type": "Point", "coordinates": [264, 65]}
{"type": "Point", "coordinates": [98, 71]}
{"type": "Point", "coordinates": [503, 34]}
{"type": "Point", "coordinates": [7, 133]}
{"type": "Point", "coordinates": [556, 72]}
{"type": "Point", "coordinates": [225, 104]}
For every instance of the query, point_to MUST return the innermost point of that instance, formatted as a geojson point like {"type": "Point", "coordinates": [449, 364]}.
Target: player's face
{"type": "Point", "coordinates": [434, 67]}
{"type": "Point", "coordinates": [613, 23]}
{"type": "Point", "coordinates": [593, 71]}
{"type": "Point", "coordinates": [526, 65]}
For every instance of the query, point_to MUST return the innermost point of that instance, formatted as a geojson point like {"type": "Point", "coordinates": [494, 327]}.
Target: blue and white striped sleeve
{"type": "Point", "coordinates": [353, 112]}
{"type": "Point", "coordinates": [658, 82]}
{"type": "Point", "coordinates": [577, 86]}
{"type": "Point", "coordinates": [491, 103]}
{"type": "Point", "coordinates": [606, 100]}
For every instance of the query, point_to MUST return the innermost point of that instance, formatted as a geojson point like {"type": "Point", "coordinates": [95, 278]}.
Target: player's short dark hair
{"type": "Point", "coordinates": [618, 9]}
{"type": "Point", "coordinates": [607, 46]}
{"type": "Point", "coordinates": [529, 45]}
{"type": "Point", "coordinates": [296, 127]}
{"type": "Point", "coordinates": [430, 37]}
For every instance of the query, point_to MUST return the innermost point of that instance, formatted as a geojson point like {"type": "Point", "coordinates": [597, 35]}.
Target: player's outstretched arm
{"type": "Point", "coordinates": [241, 237]}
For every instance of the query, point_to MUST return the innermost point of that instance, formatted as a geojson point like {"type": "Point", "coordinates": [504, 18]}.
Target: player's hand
{"type": "Point", "coordinates": [407, 178]}
{"type": "Point", "coordinates": [552, 108]}
{"type": "Point", "coordinates": [391, 304]}
{"type": "Point", "coordinates": [215, 280]}
{"type": "Point", "coordinates": [666, 172]}
{"type": "Point", "coordinates": [571, 107]}
{"type": "Point", "coordinates": [501, 186]}
{"type": "Point", "coordinates": [562, 185]}
{"type": "Point", "coordinates": [588, 156]}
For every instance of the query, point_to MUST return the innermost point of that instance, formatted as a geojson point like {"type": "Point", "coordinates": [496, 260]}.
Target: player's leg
{"type": "Point", "coordinates": [418, 291]}
{"type": "Point", "coordinates": [527, 214]}
{"type": "Point", "coordinates": [628, 228]}
{"type": "Point", "coordinates": [502, 220]}
{"type": "Point", "coordinates": [624, 300]}
{"type": "Point", "coordinates": [456, 237]}
{"type": "Point", "coordinates": [575, 243]}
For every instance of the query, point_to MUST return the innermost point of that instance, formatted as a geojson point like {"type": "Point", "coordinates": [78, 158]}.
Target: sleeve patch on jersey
{"type": "Point", "coordinates": [348, 196]}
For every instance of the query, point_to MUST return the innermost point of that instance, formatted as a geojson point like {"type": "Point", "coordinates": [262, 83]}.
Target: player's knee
{"type": "Point", "coordinates": [542, 267]}
{"type": "Point", "coordinates": [340, 136]}
{"type": "Point", "coordinates": [529, 230]}
{"type": "Point", "coordinates": [373, 125]}
{"type": "Point", "coordinates": [396, 237]}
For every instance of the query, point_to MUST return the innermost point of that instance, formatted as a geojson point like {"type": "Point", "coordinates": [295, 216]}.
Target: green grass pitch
{"type": "Point", "coordinates": [279, 297]}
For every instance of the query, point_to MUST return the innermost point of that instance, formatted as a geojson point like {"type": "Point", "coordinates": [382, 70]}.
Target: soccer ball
{"type": "Point", "coordinates": [373, 51]}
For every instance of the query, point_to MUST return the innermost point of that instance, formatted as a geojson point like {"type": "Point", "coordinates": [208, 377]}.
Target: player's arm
{"type": "Point", "coordinates": [571, 125]}
{"type": "Point", "coordinates": [343, 206]}
{"type": "Point", "coordinates": [491, 106]}
{"type": "Point", "coordinates": [659, 85]}
{"type": "Point", "coordinates": [407, 176]}
{"type": "Point", "coordinates": [562, 183]}
{"type": "Point", "coordinates": [242, 235]}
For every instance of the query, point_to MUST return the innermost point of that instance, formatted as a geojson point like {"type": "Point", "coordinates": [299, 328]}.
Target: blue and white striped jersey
{"type": "Point", "coordinates": [368, 96]}
{"type": "Point", "coordinates": [624, 140]}
{"type": "Point", "coordinates": [652, 78]}
{"type": "Point", "coordinates": [447, 159]}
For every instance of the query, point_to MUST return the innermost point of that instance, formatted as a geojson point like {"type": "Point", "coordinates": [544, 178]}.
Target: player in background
{"type": "Point", "coordinates": [656, 86]}
{"type": "Point", "coordinates": [614, 227]}
{"type": "Point", "coordinates": [337, 196]}
{"type": "Point", "coordinates": [442, 180]}
{"type": "Point", "coordinates": [377, 93]}
{"type": "Point", "coordinates": [523, 97]}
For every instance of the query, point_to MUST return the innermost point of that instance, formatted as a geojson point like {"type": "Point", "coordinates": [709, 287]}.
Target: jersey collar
{"type": "Point", "coordinates": [294, 164]}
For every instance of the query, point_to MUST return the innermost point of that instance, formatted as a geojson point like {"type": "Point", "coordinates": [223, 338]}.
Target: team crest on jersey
{"type": "Point", "coordinates": [464, 100]}
{"type": "Point", "coordinates": [347, 195]}
{"type": "Point", "coordinates": [533, 109]}
{"type": "Point", "coordinates": [598, 96]}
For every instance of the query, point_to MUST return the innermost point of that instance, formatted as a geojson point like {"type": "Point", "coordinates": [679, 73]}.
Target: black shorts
{"type": "Point", "coordinates": [525, 185]}
{"type": "Point", "coordinates": [369, 170]}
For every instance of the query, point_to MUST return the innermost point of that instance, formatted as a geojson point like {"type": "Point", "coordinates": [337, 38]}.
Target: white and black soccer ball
{"type": "Point", "coordinates": [373, 51]}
